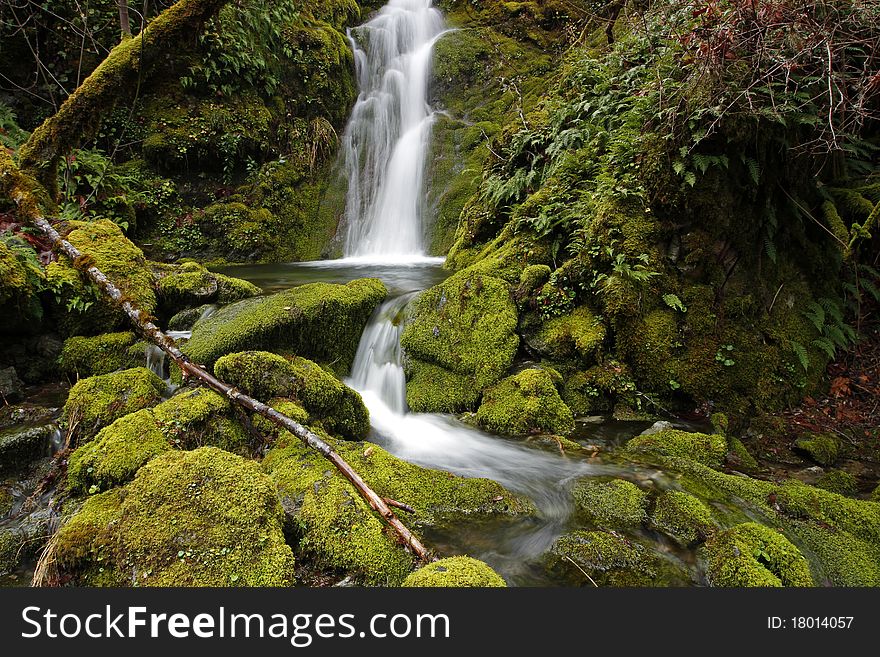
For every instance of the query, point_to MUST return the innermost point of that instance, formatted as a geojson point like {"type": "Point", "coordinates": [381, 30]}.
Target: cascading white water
{"type": "Point", "coordinates": [386, 142]}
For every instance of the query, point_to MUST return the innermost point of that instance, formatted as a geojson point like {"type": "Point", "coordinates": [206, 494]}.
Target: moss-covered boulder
{"type": "Point", "coordinates": [329, 402]}
{"type": "Point", "coordinates": [320, 321]}
{"type": "Point", "coordinates": [682, 517]}
{"type": "Point", "coordinates": [460, 337]}
{"type": "Point", "coordinates": [599, 558]}
{"type": "Point", "coordinates": [616, 504]}
{"type": "Point", "coordinates": [838, 481]}
{"type": "Point", "coordinates": [98, 401]}
{"type": "Point", "coordinates": [599, 389]}
{"type": "Point", "coordinates": [187, 318]}
{"type": "Point", "coordinates": [752, 555]}
{"type": "Point", "coordinates": [574, 337]}
{"type": "Point", "coordinates": [103, 245]}
{"type": "Point", "coordinates": [82, 357]}
{"type": "Point", "coordinates": [527, 402]}
{"type": "Point", "coordinates": [700, 447]}
{"type": "Point", "coordinates": [823, 448]}
{"type": "Point", "coordinates": [456, 572]}
{"type": "Point", "coordinates": [200, 518]}
{"type": "Point", "coordinates": [338, 531]}
{"type": "Point", "coordinates": [191, 285]}
{"type": "Point", "coordinates": [192, 419]}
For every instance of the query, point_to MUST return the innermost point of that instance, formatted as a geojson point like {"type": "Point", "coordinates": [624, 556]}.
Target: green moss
{"type": "Point", "coordinates": [86, 545]}
{"type": "Point", "coordinates": [84, 357]}
{"type": "Point", "coordinates": [186, 319]}
{"type": "Point", "coordinates": [616, 504]}
{"type": "Point", "coordinates": [200, 518]}
{"type": "Point", "coordinates": [264, 375]}
{"type": "Point", "coordinates": [455, 572]}
{"type": "Point", "coordinates": [339, 531]}
{"type": "Point", "coordinates": [466, 325]}
{"type": "Point", "coordinates": [575, 337]}
{"type": "Point", "coordinates": [533, 277]}
{"type": "Point", "coordinates": [116, 453]}
{"type": "Point", "coordinates": [192, 419]}
{"type": "Point", "coordinates": [682, 517]}
{"type": "Point", "coordinates": [432, 388]}
{"type": "Point", "coordinates": [739, 456]}
{"type": "Point", "coordinates": [823, 448]}
{"type": "Point", "coordinates": [754, 555]}
{"type": "Point", "coordinates": [96, 402]}
{"type": "Point", "coordinates": [700, 447]}
{"type": "Point", "coordinates": [190, 285]}
{"type": "Point", "coordinates": [7, 501]}
{"type": "Point", "coordinates": [119, 259]}
{"type": "Point", "coordinates": [525, 403]}
{"type": "Point", "coordinates": [608, 559]}
{"type": "Point", "coordinates": [838, 481]}
{"type": "Point", "coordinates": [201, 417]}
{"type": "Point", "coordinates": [843, 559]}
{"type": "Point", "coordinates": [599, 389]}
{"type": "Point", "coordinates": [320, 321]}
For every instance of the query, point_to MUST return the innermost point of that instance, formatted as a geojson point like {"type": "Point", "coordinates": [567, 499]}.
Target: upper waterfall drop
{"type": "Point", "coordinates": [385, 145]}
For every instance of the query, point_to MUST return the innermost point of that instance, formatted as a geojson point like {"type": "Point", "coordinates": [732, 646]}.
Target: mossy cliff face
{"type": "Point", "coordinates": [200, 518]}
{"type": "Point", "coordinates": [691, 266]}
{"type": "Point", "coordinates": [330, 404]}
{"type": "Point", "coordinates": [264, 128]}
{"type": "Point", "coordinates": [319, 321]}
{"type": "Point", "coordinates": [459, 339]}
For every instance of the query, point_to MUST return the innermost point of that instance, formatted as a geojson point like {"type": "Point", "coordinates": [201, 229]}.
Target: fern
{"type": "Point", "coordinates": [801, 353]}
{"type": "Point", "coordinates": [674, 302]}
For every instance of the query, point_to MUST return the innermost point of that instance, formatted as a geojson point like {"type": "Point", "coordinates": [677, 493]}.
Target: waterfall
{"type": "Point", "coordinates": [385, 145]}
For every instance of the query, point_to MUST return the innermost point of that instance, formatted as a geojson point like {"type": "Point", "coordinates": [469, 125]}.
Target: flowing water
{"type": "Point", "coordinates": [384, 150]}
{"type": "Point", "coordinates": [385, 144]}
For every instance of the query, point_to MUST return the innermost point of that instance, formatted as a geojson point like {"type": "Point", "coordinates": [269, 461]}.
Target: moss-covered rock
{"type": "Point", "coordinates": [336, 528]}
{"type": "Point", "coordinates": [838, 481]}
{"type": "Point", "coordinates": [525, 403]}
{"type": "Point", "coordinates": [752, 555]}
{"type": "Point", "coordinates": [103, 245]}
{"type": "Point", "coordinates": [116, 453]}
{"type": "Point", "coordinates": [320, 321]}
{"type": "Point", "coordinates": [200, 518]}
{"type": "Point", "coordinates": [21, 445]}
{"type": "Point", "coordinates": [823, 448]}
{"type": "Point", "coordinates": [616, 504]}
{"type": "Point", "coordinates": [574, 337]}
{"type": "Point", "coordinates": [190, 285]}
{"type": "Point", "coordinates": [466, 326]}
{"type": "Point", "coordinates": [192, 419]}
{"type": "Point", "coordinates": [608, 559]}
{"type": "Point", "coordinates": [739, 457]}
{"type": "Point", "coordinates": [329, 402]}
{"type": "Point", "coordinates": [456, 572]}
{"type": "Point", "coordinates": [82, 357]}
{"type": "Point", "coordinates": [682, 517]}
{"type": "Point", "coordinates": [187, 318]}
{"type": "Point", "coordinates": [700, 447]}
{"type": "Point", "coordinates": [96, 402]}
{"type": "Point", "coordinates": [599, 389]}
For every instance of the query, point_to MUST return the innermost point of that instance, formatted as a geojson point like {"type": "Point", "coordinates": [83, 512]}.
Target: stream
{"type": "Point", "coordinates": [384, 152]}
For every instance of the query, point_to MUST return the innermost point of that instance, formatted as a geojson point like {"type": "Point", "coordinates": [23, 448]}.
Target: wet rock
{"type": "Point", "coordinates": [527, 402]}
{"type": "Point", "coordinates": [11, 387]}
{"type": "Point", "coordinates": [657, 427]}
{"type": "Point", "coordinates": [24, 538]}
{"type": "Point", "coordinates": [20, 446]}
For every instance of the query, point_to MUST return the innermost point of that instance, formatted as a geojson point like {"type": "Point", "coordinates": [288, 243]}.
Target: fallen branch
{"type": "Point", "coordinates": [153, 333]}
